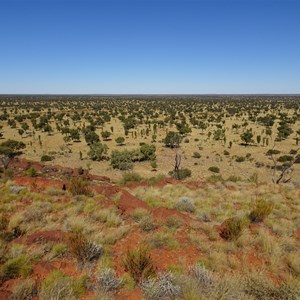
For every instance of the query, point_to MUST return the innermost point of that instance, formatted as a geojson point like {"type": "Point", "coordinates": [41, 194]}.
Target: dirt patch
{"type": "Point", "coordinates": [43, 237]}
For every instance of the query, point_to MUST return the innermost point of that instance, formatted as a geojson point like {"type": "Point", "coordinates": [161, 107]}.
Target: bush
{"type": "Point", "coordinates": [46, 157]}
{"type": "Point", "coordinates": [82, 248]}
{"type": "Point", "coordinates": [120, 140]}
{"type": "Point", "coordinates": [31, 172]}
{"type": "Point", "coordinates": [285, 158]}
{"type": "Point", "coordinates": [164, 287]}
{"type": "Point", "coordinates": [272, 151]}
{"type": "Point", "coordinates": [232, 228]}
{"type": "Point", "coordinates": [139, 213]}
{"type": "Point", "coordinates": [147, 224]}
{"type": "Point", "coordinates": [138, 263]}
{"type": "Point", "coordinates": [108, 281]}
{"type": "Point", "coordinates": [98, 151]}
{"type": "Point", "coordinates": [240, 159]}
{"type": "Point", "coordinates": [173, 222]}
{"type": "Point", "coordinates": [17, 266]}
{"type": "Point", "coordinates": [121, 160]}
{"type": "Point", "coordinates": [203, 277]}
{"type": "Point", "coordinates": [261, 210]}
{"type": "Point", "coordinates": [214, 169]}
{"type": "Point", "coordinates": [24, 290]}
{"type": "Point", "coordinates": [182, 174]}
{"type": "Point", "coordinates": [226, 153]}
{"type": "Point", "coordinates": [57, 286]}
{"type": "Point", "coordinates": [185, 204]}
{"type": "Point", "coordinates": [214, 178]}
{"type": "Point", "coordinates": [79, 186]}
{"type": "Point", "coordinates": [172, 139]}
{"type": "Point", "coordinates": [196, 155]}
{"type": "Point", "coordinates": [129, 177]}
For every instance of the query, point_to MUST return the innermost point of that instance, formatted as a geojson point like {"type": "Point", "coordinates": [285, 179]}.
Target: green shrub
{"type": "Point", "coordinates": [185, 204]}
{"type": "Point", "coordinates": [214, 169]}
{"type": "Point", "coordinates": [181, 174]}
{"type": "Point", "coordinates": [31, 172]}
{"type": "Point", "coordinates": [173, 222]}
{"type": "Point", "coordinates": [285, 158]}
{"type": "Point", "coordinates": [46, 157]}
{"type": "Point", "coordinates": [79, 186]}
{"type": "Point", "coordinates": [129, 177]}
{"type": "Point", "coordinates": [214, 178]}
{"type": "Point", "coordinates": [240, 159]}
{"type": "Point", "coordinates": [196, 155]}
{"type": "Point", "coordinates": [17, 266]}
{"type": "Point", "coordinates": [107, 280]}
{"type": "Point", "coordinates": [57, 286]}
{"type": "Point", "coordinates": [272, 151]}
{"type": "Point", "coordinates": [97, 151]}
{"type": "Point", "coordinates": [226, 153]}
{"type": "Point", "coordinates": [147, 224]}
{"type": "Point", "coordinates": [82, 248]}
{"type": "Point", "coordinates": [122, 160]}
{"type": "Point", "coordinates": [261, 210]}
{"type": "Point", "coordinates": [139, 213]}
{"type": "Point", "coordinates": [232, 228]}
{"type": "Point", "coordinates": [24, 290]}
{"type": "Point", "coordinates": [138, 263]}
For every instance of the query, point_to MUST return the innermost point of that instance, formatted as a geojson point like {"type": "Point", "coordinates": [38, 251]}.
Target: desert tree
{"type": "Point", "coordinates": [9, 150]}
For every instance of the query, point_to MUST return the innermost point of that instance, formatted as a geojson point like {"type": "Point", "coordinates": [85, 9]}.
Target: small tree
{"type": "Point", "coordinates": [247, 137]}
{"type": "Point", "coordinates": [98, 151]}
{"type": "Point", "coordinates": [105, 135]}
{"type": "Point", "coordinates": [8, 150]}
{"type": "Point", "coordinates": [120, 140]}
{"type": "Point", "coordinates": [172, 139]}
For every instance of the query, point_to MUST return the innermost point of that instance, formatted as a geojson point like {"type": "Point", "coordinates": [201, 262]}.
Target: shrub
{"type": "Point", "coordinates": [181, 174]}
{"type": "Point", "coordinates": [56, 286]}
{"type": "Point", "coordinates": [214, 178]}
{"type": "Point", "coordinates": [31, 172]}
{"type": "Point", "coordinates": [46, 157]}
{"type": "Point", "coordinates": [79, 186]}
{"type": "Point", "coordinates": [240, 159]}
{"type": "Point", "coordinates": [163, 240]}
{"type": "Point", "coordinates": [24, 290]}
{"type": "Point", "coordinates": [120, 140]}
{"type": "Point", "coordinates": [173, 222]}
{"type": "Point", "coordinates": [107, 280]}
{"type": "Point", "coordinates": [272, 151]}
{"type": "Point", "coordinates": [17, 266]}
{"type": "Point", "coordinates": [129, 177]}
{"type": "Point", "coordinates": [172, 139]}
{"type": "Point", "coordinates": [138, 263]}
{"type": "Point", "coordinates": [82, 248]}
{"type": "Point", "coordinates": [214, 169]}
{"type": "Point", "coordinates": [98, 151]}
{"type": "Point", "coordinates": [185, 204]}
{"type": "Point", "coordinates": [121, 160]}
{"type": "Point", "coordinates": [226, 153]}
{"type": "Point", "coordinates": [196, 155]}
{"type": "Point", "coordinates": [147, 224]}
{"type": "Point", "coordinates": [164, 287]}
{"type": "Point", "coordinates": [261, 210]}
{"type": "Point", "coordinates": [203, 277]}
{"type": "Point", "coordinates": [232, 228]}
{"type": "Point", "coordinates": [285, 158]}
{"type": "Point", "coordinates": [139, 213]}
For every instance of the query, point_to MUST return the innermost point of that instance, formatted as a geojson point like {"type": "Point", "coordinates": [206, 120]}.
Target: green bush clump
{"type": "Point", "coordinates": [82, 248]}
{"type": "Point", "coordinates": [147, 224]}
{"type": "Point", "coordinates": [181, 174]}
{"type": "Point", "coordinates": [232, 228]}
{"type": "Point", "coordinates": [17, 266]}
{"type": "Point", "coordinates": [129, 177]}
{"type": "Point", "coordinates": [240, 159]}
{"type": "Point", "coordinates": [79, 186]}
{"type": "Point", "coordinates": [214, 169]}
{"type": "Point", "coordinates": [261, 210]}
{"type": "Point", "coordinates": [196, 155]}
{"type": "Point", "coordinates": [285, 158]}
{"type": "Point", "coordinates": [185, 204]}
{"type": "Point", "coordinates": [121, 160]}
{"type": "Point", "coordinates": [31, 172]}
{"type": "Point", "coordinates": [138, 263]}
{"type": "Point", "coordinates": [272, 151]}
{"type": "Point", "coordinates": [46, 157]}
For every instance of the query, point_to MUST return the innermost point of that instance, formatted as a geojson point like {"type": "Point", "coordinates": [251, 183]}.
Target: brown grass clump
{"type": "Point", "coordinates": [138, 263]}
{"type": "Point", "coordinates": [79, 186]}
{"type": "Point", "coordinates": [261, 210]}
{"type": "Point", "coordinates": [232, 228]}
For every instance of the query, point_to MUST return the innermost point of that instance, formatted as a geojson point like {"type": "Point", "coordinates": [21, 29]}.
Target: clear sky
{"type": "Point", "coordinates": [149, 46]}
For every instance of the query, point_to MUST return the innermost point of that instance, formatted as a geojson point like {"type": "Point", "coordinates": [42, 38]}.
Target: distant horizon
{"type": "Point", "coordinates": [159, 47]}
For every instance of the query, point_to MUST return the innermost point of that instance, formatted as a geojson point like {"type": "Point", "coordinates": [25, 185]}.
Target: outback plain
{"type": "Point", "coordinates": [150, 197]}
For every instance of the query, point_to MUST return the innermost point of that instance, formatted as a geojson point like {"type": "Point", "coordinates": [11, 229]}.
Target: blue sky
{"type": "Point", "coordinates": [149, 46]}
